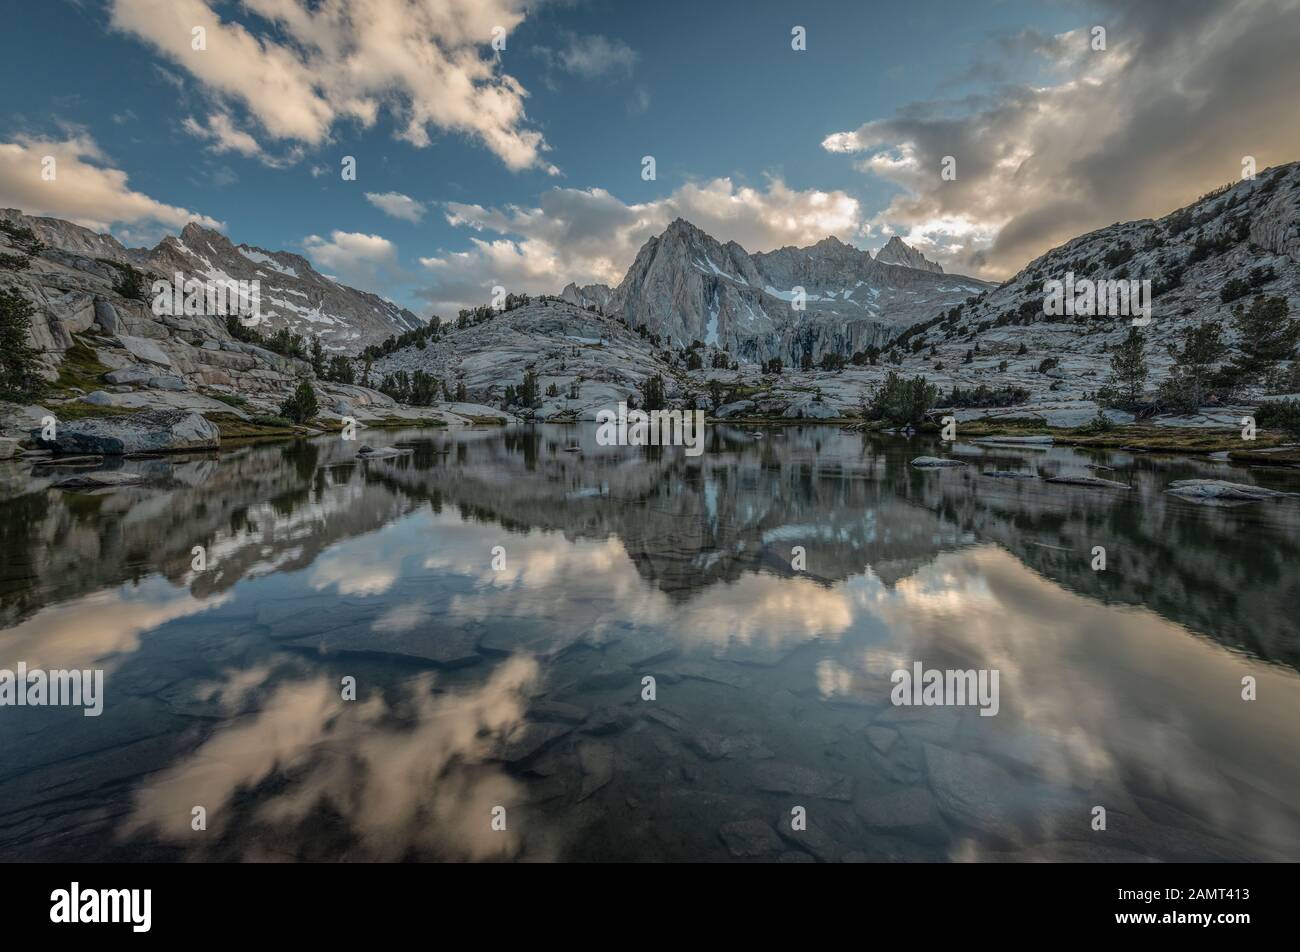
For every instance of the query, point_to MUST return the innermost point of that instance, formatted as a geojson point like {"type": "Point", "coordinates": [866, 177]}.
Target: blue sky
{"type": "Point", "coordinates": [736, 120]}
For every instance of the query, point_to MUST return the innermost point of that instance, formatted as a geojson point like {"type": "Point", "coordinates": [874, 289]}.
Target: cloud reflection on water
{"type": "Point", "coordinates": [411, 775]}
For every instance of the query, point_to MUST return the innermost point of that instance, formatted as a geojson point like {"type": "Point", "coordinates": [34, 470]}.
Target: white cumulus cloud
{"type": "Point", "coordinates": [86, 188]}
{"type": "Point", "coordinates": [1165, 113]}
{"type": "Point", "coordinates": [590, 236]}
{"type": "Point", "coordinates": [300, 67]}
{"type": "Point", "coordinates": [397, 205]}
{"type": "Point", "coordinates": [364, 261]}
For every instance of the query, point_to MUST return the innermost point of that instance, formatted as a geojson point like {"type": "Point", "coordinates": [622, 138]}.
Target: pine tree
{"type": "Point", "coordinates": [652, 393]}
{"type": "Point", "coordinates": [1188, 383]}
{"type": "Point", "coordinates": [318, 358]}
{"type": "Point", "coordinates": [18, 359]}
{"type": "Point", "coordinates": [340, 370]}
{"type": "Point", "coordinates": [528, 393]}
{"type": "Point", "coordinates": [302, 406]}
{"type": "Point", "coordinates": [424, 389]}
{"type": "Point", "coordinates": [1128, 364]}
{"type": "Point", "coordinates": [1268, 335]}
{"type": "Point", "coordinates": [129, 283]}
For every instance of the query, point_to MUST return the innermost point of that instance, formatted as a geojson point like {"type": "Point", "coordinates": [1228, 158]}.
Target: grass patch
{"type": "Point", "coordinates": [1290, 456]}
{"type": "Point", "coordinates": [80, 368]}
{"type": "Point", "coordinates": [1009, 426]}
{"type": "Point", "coordinates": [783, 421]}
{"type": "Point", "coordinates": [228, 399]}
{"type": "Point", "coordinates": [1164, 439]}
{"type": "Point", "coordinates": [399, 423]}
{"type": "Point", "coordinates": [235, 428]}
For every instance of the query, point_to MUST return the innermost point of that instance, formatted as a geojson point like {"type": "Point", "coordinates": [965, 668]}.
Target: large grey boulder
{"type": "Point", "coordinates": [141, 348]}
{"type": "Point", "coordinates": [128, 375]}
{"type": "Point", "coordinates": [804, 407]}
{"type": "Point", "coordinates": [98, 398]}
{"type": "Point", "coordinates": [739, 408]}
{"type": "Point", "coordinates": [150, 431]}
{"type": "Point", "coordinates": [168, 382]}
{"type": "Point", "coordinates": [105, 316]}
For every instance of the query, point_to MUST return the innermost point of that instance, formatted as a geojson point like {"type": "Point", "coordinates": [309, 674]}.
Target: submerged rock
{"type": "Point", "coordinates": [104, 480]}
{"type": "Point", "coordinates": [911, 812]}
{"type": "Point", "coordinates": [750, 838]}
{"type": "Point", "coordinates": [1221, 489]}
{"type": "Point", "coordinates": [597, 761]}
{"type": "Point", "coordinates": [778, 777]}
{"type": "Point", "coordinates": [882, 738]}
{"type": "Point", "coordinates": [1008, 474]}
{"type": "Point", "coordinates": [1017, 440]}
{"type": "Point", "coordinates": [383, 452]}
{"type": "Point", "coordinates": [8, 447]}
{"type": "Point", "coordinates": [557, 711]}
{"type": "Point", "coordinates": [73, 462]}
{"type": "Point", "coordinates": [447, 647]}
{"type": "Point", "coordinates": [813, 839]}
{"type": "Point", "coordinates": [1095, 481]}
{"type": "Point", "coordinates": [935, 462]}
{"type": "Point", "coordinates": [150, 431]}
{"type": "Point", "coordinates": [972, 791]}
{"type": "Point", "coordinates": [528, 739]}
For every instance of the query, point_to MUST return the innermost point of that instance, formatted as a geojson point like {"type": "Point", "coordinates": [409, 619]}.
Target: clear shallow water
{"type": "Point", "coordinates": [521, 687]}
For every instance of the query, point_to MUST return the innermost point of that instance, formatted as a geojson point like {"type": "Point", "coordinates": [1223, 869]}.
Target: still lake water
{"type": "Point", "coordinates": [521, 687]}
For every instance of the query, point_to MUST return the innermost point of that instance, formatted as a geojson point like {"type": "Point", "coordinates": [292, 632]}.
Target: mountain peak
{"type": "Point", "coordinates": [195, 230]}
{"type": "Point", "coordinates": [680, 226]}
{"type": "Point", "coordinates": [897, 251]}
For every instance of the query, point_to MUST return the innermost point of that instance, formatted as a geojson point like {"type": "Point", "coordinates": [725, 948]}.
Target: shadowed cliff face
{"type": "Point", "coordinates": [519, 682]}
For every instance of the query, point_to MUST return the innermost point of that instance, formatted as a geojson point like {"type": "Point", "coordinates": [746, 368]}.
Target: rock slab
{"type": "Point", "coordinates": [150, 431]}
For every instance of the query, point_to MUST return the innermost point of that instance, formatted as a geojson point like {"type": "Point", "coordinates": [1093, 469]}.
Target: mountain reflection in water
{"type": "Point", "coordinates": [521, 687]}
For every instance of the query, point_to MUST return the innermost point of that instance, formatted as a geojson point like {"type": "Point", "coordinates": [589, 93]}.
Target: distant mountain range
{"type": "Point", "coordinates": [685, 285]}
{"type": "Point", "coordinates": [293, 293]}
{"type": "Point", "coordinates": [594, 345]}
